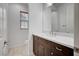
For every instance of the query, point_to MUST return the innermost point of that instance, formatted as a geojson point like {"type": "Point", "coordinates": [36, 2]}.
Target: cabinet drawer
{"type": "Point", "coordinates": [44, 41]}
{"type": "Point", "coordinates": [62, 50]}
{"type": "Point", "coordinates": [35, 45]}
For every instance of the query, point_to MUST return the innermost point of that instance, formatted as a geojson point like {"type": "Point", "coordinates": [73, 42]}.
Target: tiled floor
{"type": "Point", "coordinates": [24, 50]}
{"type": "Point", "coordinates": [19, 51]}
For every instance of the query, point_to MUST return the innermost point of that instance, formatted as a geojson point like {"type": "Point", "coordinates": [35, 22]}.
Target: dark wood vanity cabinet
{"type": "Point", "coordinates": [43, 47]}
{"type": "Point", "coordinates": [39, 48]}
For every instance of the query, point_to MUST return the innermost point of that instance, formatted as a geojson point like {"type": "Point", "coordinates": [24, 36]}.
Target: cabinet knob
{"type": "Point", "coordinates": [51, 53]}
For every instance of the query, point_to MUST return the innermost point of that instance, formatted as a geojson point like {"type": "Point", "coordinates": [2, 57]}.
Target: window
{"type": "Point", "coordinates": [24, 20]}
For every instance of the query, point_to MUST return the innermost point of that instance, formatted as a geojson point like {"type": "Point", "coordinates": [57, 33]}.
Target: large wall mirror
{"type": "Point", "coordinates": [58, 18]}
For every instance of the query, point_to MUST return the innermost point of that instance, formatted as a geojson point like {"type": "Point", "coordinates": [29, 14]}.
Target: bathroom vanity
{"type": "Point", "coordinates": [51, 46]}
{"type": "Point", "coordinates": [57, 35]}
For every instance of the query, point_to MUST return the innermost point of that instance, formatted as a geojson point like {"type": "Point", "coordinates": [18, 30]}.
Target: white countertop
{"type": "Point", "coordinates": [63, 40]}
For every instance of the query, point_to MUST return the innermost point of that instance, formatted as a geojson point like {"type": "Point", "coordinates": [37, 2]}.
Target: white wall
{"type": "Point", "coordinates": [16, 37]}
{"type": "Point", "coordinates": [35, 22]}
{"type": "Point", "coordinates": [35, 17]}
{"type": "Point", "coordinates": [46, 16]}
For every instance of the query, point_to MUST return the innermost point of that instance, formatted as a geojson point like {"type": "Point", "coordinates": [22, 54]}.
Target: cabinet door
{"type": "Point", "coordinates": [47, 51]}
{"type": "Point", "coordinates": [41, 50]}
{"type": "Point", "coordinates": [35, 45]}
{"type": "Point", "coordinates": [52, 52]}
{"type": "Point", "coordinates": [45, 46]}
{"type": "Point", "coordinates": [38, 48]}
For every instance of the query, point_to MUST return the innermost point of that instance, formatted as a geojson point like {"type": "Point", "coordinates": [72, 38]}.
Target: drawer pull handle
{"type": "Point", "coordinates": [58, 49]}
